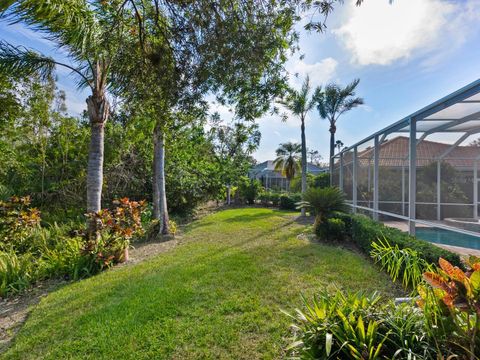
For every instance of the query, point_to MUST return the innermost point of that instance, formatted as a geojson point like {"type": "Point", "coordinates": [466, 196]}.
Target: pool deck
{"type": "Point", "coordinates": [456, 249]}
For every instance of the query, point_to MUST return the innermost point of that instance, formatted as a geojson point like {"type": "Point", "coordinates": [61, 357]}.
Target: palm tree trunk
{"type": "Point", "coordinates": [98, 110]}
{"type": "Point", "coordinates": [332, 148]}
{"type": "Point", "coordinates": [304, 162]}
{"type": "Point", "coordinates": [160, 210]}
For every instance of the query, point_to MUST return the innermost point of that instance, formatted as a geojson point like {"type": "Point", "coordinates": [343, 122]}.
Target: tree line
{"type": "Point", "coordinates": [159, 60]}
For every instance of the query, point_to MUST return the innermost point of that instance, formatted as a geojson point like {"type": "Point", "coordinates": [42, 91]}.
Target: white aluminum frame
{"type": "Point", "coordinates": [409, 125]}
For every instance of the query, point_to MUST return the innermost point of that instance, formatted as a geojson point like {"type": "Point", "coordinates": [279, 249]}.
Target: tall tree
{"type": "Point", "coordinates": [288, 159]}
{"type": "Point", "coordinates": [89, 33]}
{"type": "Point", "coordinates": [233, 146]}
{"type": "Point", "coordinates": [333, 102]}
{"type": "Point", "coordinates": [192, 48]}
{"type": "Point", "coordinates": [299, 103]}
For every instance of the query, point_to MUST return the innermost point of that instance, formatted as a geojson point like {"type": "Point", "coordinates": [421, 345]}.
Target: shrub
{"type": "Point", "coordinates": [15, 272]}
{"type": "Point", "coordinates": [30, 252]}
{"type": "Point", "coordinates": [17, 221]}
{"type": "Point", "coordinates": [248, 190]}
{"type": "Point", "coordinates": [321, 181]}
{"type": "Point", "coordinates": [115, 230]}
{"type": "Point", "coordinates": [173, 227]}
{"type": "Point", "coordinates": [332, 229]}
{"type": "Point", "coordinates": [453, 302]}
{"type": "Point", "coordinates": [355, 326]}
{"type": "Point", "coordinates": [363, 231]}
{"type": "Point", "coordinates": [269, 198]}
{"type": "Point", "coordinates": [323, 203]}
{"type": "Point", "coordinates": [289, 201]}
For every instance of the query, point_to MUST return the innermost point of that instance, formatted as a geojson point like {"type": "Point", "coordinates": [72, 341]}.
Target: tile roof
{"type": "Point", "coordinates": [394, 152]}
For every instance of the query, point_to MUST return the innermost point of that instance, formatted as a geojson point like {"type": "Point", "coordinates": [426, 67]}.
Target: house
{"type": "Point", "coordinates": [271, 179]}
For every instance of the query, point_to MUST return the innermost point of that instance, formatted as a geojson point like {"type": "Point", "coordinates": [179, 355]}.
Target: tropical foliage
{"type": "Point", "coordinates": [323, 203]}
{"type": "Point", "coordinates": [358, 326]}
{"type": "Point", "coordinates": [300, 103]}
{"type": "Point", "coordinates": [288, 159]}
{"type": "Point", "coordinates": [334, 101]}
{"type": "Point", "coordinates": [406, 264]}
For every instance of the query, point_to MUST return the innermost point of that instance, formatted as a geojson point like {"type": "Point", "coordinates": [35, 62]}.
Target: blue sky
{"type": "Point", "coordinates": [407, 54]}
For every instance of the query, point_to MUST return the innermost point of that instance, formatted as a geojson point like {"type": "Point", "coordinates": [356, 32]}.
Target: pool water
{"type": "Point", "coordinates": [446, 237]}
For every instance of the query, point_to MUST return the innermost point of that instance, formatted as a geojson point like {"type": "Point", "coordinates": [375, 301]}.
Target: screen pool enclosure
{"type": "Point", "coordinates": [420, 173]}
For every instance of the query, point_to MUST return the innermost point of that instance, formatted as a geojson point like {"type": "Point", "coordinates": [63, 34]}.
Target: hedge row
{"type": "Point", "coordinates": [363, 231]}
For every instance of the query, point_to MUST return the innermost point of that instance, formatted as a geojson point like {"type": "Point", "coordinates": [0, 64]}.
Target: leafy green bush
{"type": "Point", "coordinates": [363, 231]}
{"type": "Point", "coordinates": [321, 181]}
{"type": "Point", "coordinates": [29, 252]}
{"type": "Point", "coordinates": [323, 203]}
{"type": "Point", "coordinates": [289, 201]}
{"type": "Point", "coordinates": [331, 229]}
{"type": "Point", "coordinates": [270, 198]}
{"type": "Point", "coordinates": [248, 190]}
{"type": "Point", "coordinates": [15, 271]}
{"type": "Point", "coordinates": [355, 326]}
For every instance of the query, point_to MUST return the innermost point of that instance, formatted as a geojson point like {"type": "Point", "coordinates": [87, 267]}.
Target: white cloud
{"type": "Point", "coordinates": [380, 33]}
{"type": "Point", "coordinates": [319, 72]}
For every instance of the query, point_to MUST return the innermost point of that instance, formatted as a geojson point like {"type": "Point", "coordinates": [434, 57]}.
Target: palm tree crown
{"type": "Point", "coordinates": [333, 102]}
{"type": "Point", "coordinates": [288, 159]}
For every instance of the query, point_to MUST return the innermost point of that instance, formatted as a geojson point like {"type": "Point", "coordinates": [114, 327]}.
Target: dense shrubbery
{"type": "Point", "coordinates": [270, 198]}
{"type": "Point", "coordinates": [331, 229]}
{"type": "Point", "coordinates": [289, 201]}
{"type": "Point", "coordinates": [363, 231]}
{"type": "Point", "coordinates": [313, 181]}
{"type": "Point", "coordinates": [355, 326]}
{"type": "Point", "coordinates": [29, 252]}
{"type": "Point", "coordinates": [444, 325]}
{"type": "Point", "coordinates": [248, 190]}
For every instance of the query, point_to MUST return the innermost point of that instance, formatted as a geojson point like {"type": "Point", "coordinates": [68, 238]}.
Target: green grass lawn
{"type": "Point", "coordinates": [216, 295]}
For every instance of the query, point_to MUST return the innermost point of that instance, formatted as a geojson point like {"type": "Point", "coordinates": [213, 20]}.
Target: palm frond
{"type": "Point", "coordinates": [70, 23]}
{"type": "Point", "coordinates": [24, 62]}
{"type": "Point", "coordinates": [334, 100]}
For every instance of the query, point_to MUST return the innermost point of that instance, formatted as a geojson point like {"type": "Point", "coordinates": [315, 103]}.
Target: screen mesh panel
{"type": "Point", "coordinates": [444, 192]}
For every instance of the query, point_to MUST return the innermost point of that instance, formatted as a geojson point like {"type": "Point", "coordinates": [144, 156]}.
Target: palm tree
{"type": "Point", "coordinates": [288, 159]}
{"type": "Point", "coordinates": [333, 102]}
{"type": "Point", "coordinates": [339, 145]}
{"type": "Point", "coordinates": [299, 103]}
{"type": "Point", "coordinates": [83, 30]}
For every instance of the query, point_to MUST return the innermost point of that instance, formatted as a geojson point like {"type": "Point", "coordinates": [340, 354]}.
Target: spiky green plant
{"type": "Point", "coordinates": [323, 203]}
{"type": "Point", "coordinates": [405, 264]}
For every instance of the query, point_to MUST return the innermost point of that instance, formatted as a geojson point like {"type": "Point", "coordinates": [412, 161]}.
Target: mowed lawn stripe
{"type": "Point", "coordinates": [217, 295]}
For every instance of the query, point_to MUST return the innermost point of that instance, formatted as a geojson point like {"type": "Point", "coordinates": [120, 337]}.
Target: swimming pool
{"type": "Point", "coordinates": [446, 237]}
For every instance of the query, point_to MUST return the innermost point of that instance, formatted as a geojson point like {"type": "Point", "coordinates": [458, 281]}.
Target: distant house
{"type": "Point", "coordinates": [271, 179]}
